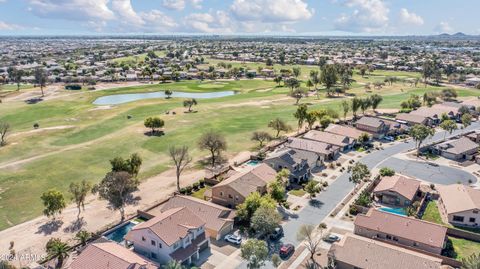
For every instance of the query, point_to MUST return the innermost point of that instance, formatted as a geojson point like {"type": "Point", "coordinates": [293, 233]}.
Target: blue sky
{"type": "Point", "coordinates": [315, 17]}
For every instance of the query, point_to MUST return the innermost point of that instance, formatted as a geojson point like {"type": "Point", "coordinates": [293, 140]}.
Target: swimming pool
{"type": "Point", "coordinates": [398, 211]}
{"type": "Point", "coordinates": [253, 162]}
{"type": "Point", "coordinates": [119, 233]}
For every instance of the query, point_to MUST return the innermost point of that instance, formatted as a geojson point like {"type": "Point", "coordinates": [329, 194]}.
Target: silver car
{"type": "Point", "coordinates": [234, 239]}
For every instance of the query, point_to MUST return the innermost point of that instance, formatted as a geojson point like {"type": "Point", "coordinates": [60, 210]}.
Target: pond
{"type": "Point", "coordinates": [130, 97]}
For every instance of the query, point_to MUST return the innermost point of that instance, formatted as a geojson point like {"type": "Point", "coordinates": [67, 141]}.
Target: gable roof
{"type": "Point", "coordinates": [170, 226]}
{"type": "Point", "coordinates": [249, 181]}
{"type": "Point", "coordinates": [401, 226]}
{"type": "Point", "coordinates": [214, 216]}
{"type": "Point", "coordinates": [370, 121]}
{"type": "Point", "coordinates": [409, 117]}
{"type": "Point", "coordinates": [363, 252]}
{"type": "Point", "coordinates": [344, 130]}
{"type": "Point", "coordinates": [329, 138]}
{"type": "Point", "coordinates": [405, 186]}
{"type": "Point", "coordinates": [110, 255]}
{"type": "Point", "coordinates": [458, 146]}
{"type": "Point", "coordinates": [459, 198]}
{"type": "Point", "coordinates": [311, 145]}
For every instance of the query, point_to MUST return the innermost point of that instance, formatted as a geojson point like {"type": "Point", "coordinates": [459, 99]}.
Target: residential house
{"type": "Point", "coordinates": [414, 119]}
{"type": "Point", "coordinates": [347, 131]}
{"type": "Point", "coordinates": [355, 252]}
{"type": "Point", "coordinates": [325, 152]}
{"type": "Point", "coordinates": [175, 234]}
{"type": "Point", "coordinates": [373, 126]}
{"type": "Point", "coordinates": [474, 136]}
{"type": "Point", "coordinates": [298, 162]}
{"type": "Point", "coordinates": [110, 255]}
{"type": "Point", "coordinates": [457, 149]}
{"type": "Point", "coordinates": [218, 219]}
{"type": "Point", "coordinates": [233, 191]}
{"type": "Point", "coordinates": [459, 204]}
{"type": "Point", "coordinates": [402, 230]}
{"type": "Point", "coordinates": [397, 190]}
{"type": "Point", "coordinates": [343, 142]}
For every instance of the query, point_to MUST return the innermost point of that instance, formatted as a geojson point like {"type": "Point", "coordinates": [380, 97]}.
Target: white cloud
{"type": "Point", "coordinates": [217, 22]}
{"type": "Point", "coordinates": [8, 27]}
{"type": "Point", "coordinates": [174, 4]}
{"type": "Point", "coordinates": [72, 9]}
{"type": "Point", "coordinates": [127, 14]}
{"type": "Point", "coordinates": [408, 17]}
{"type": "Point", "coordinates": [271, 10]}
{"type": "Point", "coordinates": [157, 21]}
{"type": "Point", "coordinates": [367, 16]}
{"type": "Point", "coordinates": [443, 27]}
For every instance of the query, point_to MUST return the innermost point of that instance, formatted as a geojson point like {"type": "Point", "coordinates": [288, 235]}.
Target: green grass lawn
{"type": "Point", "coordinates": [299, 192]}
{"type": "Point", "coordinates": [201, 192]}
{"type": "Point", "coordinates": [464, 248]}
{"type": "Point", "coordinates": [432, 214]}
{"type": "Point", "coordinates": [136, 58]}
{"type": "Point", "coordinates": [92, 136]}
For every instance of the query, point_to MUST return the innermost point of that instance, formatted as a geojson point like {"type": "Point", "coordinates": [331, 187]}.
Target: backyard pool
{"type": "Point", "coordinates": [119, 233]}
{"type": "Point", "coordinates": [253, 162]}
{"type": "Point", "coordinates": [130, 97]}
{"type": "Point", "coordinates": [398, 211]}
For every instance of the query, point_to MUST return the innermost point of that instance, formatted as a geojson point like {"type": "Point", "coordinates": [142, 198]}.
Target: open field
{"type": "Point", "coordinates": [77, 139]}
{"type": "Point", "coordinates": [136, 58]}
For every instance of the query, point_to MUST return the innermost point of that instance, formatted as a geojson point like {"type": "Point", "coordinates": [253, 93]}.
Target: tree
{"type": "Point", "coordinates": [325, 121]}
{"type": "Point", "coordinates": [309, 84]}
{"type": "Point", "coordinates": [4, 129]}
{"type": "Point", "coordinates": [375, 100]}
{"type": "Point", "coordinates": [283, 176]}
{"type": "Point", "coordinates": [253, 201]}
{"type": "Point", "coordinates": [17, 77]}
{"type": "Point", "coordinates": [173, 264]}
{"type": "Point", "coordinates": [255, 252]}
{"type": "Point", "coordinates": [276, 190]}
{"type": "Point", "coordinates": [311, 119]}
{"type": "Point", "coordinates": [296, 71]}
{"type": "Point", "coordinates": [56, 248]}
{"type": "Point", "coordinates": [365, 104]}
{"type": "Point", "coordinates": [117, 188]}
{"type": "Point", "coordinates": [265, 220]}
{"type": "Point", "coordinates": [261, 137]}
{"type": "Point", "coordinates": [82, 236]}
{"type": "Point", "coordinates": [427, 70]}
{"type": "Point", "coordinates": [79, 193]}
{"type": "Point", "coordinates": [279, 126]}
{"type": "Point", "coordinates": [359, 172]}
{"type": "Point", "coordinates": [363, 139]}
{"type": "Point", "coordinates": [215, 143]}
{"type": "Point", "coordinates": [448, 126]}
{"type": "Point", "coordinates": [471, 262]}
{"type": "Point", "coordinates": [329, 76]}
{"type": "Point", "coordinates": [301, 115]}
{"type": "Point", "coordinates": [54, 203]}
{"type": "Point", "coordinates": [298, 94]}
{"type": "Point", "coordinates": [278, 80]}
{"type": "Point", "coordinates": [276, 260]}
{"type": "Point", "coordinates": [40, 78]}
{"type": "Point", "coordinates": [292, 83]}
{"type": "Point", "coordinates": [356, 104]}
{"type": "Point", "coordinates": [189, 103]}
{"type": "Point", "coordinates": [312, 188]}
{"type": "Point", "coordinates": [419, 133]}
{"type": "Point", "coordinates": [312, 241]}
{"type": "Point", "coordinates": [131, 165]}
{"type": "Point", "coordinates": [181, 159]}
{"type": "Point", "coordinates": [448, 94]}
{"type": "Point", "coordinates": [168, 94]}
{"type": "Point", "coordinates": [387, 172]}
{"type": "Point", "coordinates": [466, 119]}
{"type": "Point", "coordinates": [345, 109]}
{"type": "Point", "coordinates": [154, 123]}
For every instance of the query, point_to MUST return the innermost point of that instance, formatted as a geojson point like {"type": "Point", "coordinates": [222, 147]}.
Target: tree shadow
{"type": "Point", "coordinates": [75, 225]}
{"type": "Point", "coordinates": [50, 227]}
{"type": "Point", "coordinates": [156, 133]}
{"type": "Point", "coordinates": [33, 101]}
{"type": "Point", "coordinates": [315, 203]}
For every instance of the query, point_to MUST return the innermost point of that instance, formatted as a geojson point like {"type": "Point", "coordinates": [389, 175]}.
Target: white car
{"type": "Point", "coordinates": [234, 239]}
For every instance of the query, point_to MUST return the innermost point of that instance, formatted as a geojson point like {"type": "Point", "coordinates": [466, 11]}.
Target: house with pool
{"type": "Point", "coordinates": [176, 234]}
{"type": "Point", "coordinates": [397, 190]}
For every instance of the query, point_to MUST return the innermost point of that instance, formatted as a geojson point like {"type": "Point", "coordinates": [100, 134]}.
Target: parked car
{"type": "Point", "coordinates": [389, 138]}
{"type": "Point", "coordinates": [277, 234]}
{"type": "Point", "coordinates": [234, 239]}
{"type": "Point", "coordinates": [286, 250]}
{"type": "Point", "coordinates": [432, 164]}
{"type": "Point", "coordinates": [331, 238]}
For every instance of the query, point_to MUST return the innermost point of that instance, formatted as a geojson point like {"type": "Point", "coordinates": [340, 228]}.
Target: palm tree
{"type": "Point", "coordinates": [173, 265]}
{"type": "Point", "coordinates": [82, 237]}
{"type": "Point", "coordinates": [56, 248]}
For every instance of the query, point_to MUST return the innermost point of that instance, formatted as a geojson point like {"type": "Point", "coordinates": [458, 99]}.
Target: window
{"type": "Point", "coordinates": [415, 244]}
{"type": "Point", "coordinates": [236, 197]}
{"type": "Point", "coordinates": [143, 238]}
{"type": "Point", "coordinates": [395, 239]}
{"type": "Point", "coordinates": [458, 218]}
{"type": "Point", "coordinates": [153, 243]}
{"type": "Point", "coordinates": [230, 196]}
{"type": "Point", "coordinates": [159, 245]}
{"type": "Point", "coordinates": [475, 211]}
{"type": "Point", "coordinates": [221, 193]}
{"type": "Point", "coordinates": [154, 256]}
{"type": "Point", "coordinates": [471, 220]}
{"type": "Point", "coordinates": [389, 237]}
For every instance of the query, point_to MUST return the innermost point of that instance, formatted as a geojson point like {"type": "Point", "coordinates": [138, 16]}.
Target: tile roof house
{"type": "Point", "coordinates": [347, 131]}
{"type": "Point", "coordinates": [414, 119]}
{"type": "Point", "coordinates": [175, 234]}
{"type": "Point", "coordinates": [218, 219]}
{"type": "Point", "coordinates": [354, 251]}
{"type": "Point", "coordinates": [402, 230]}
{"type": "Point", "coordinates": [372, 125]}
{"type": "Point", "coordinates": [343, 142]}
{"type": "Point", "coordinates": [397, 190]}
{"type": "Point", "coordinates": [298, 162]}
{"type": "Point", "coordinates": [233, 190]}
{"type": "Point", "coordinates": [323, 150]}
{"type": "Point", "coordinates": [110, 255]}
{"type": "Point", "coordinates": [459, 204]}
{"type": "Point", "coordinates": [458, 149]}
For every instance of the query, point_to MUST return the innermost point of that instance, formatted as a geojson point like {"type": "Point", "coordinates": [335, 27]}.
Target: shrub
{"type": "Point", "coordinates": [323, 225]}
{"type": "Point", "coordinates": [36, 125]}
{"type": "Point", "coordinates": [196, 185]}
{"type": "Point", "coordinates": [325, 184]}
{"type": "Point", "coordinates": [183, 191]}
{"type": "Point", "coordinates": [353, 210]}
{"type": "Point", "coordinates": [387, 172]}
{"type": "Point", "coordinates": [339, 164]}
{"type": "Point", "coordinates": [202, 182]}
{"type": "Point", "coordinates": [73, 87]}
{"type": "Point", "coordinates": [432, 186]}
{"type": "Point", "coordinates": [324, 174]}
{"type": "Point", "coordinates": [188, 190]}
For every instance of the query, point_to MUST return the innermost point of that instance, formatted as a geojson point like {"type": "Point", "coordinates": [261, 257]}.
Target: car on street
{"type": "Point", "coordinates": [277, 234]}
{"type": "Point", "coordinates": [286, 251]}
{"type": "Point", "coordinates": [432, 164]}
{"type": "Point", "coordinates": [331, 238]}
{"type": "Point", "coordinates": [234, 239]}
{"type": "Point", "coordinates": [389, 138]}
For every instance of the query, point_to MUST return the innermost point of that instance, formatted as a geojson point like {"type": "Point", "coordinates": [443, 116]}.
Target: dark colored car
{"type": "Point", "coordinates": [277, 234]}
{"type": "Point", "coordinates": [286, 250]}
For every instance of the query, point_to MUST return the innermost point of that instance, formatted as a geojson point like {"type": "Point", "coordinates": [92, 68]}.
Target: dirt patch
{"type": "Point", "coordinates": [101, 108]}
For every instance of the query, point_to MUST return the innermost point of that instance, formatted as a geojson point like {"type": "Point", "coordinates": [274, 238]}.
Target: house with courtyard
{"type": "Point", "coordinates": [218, 219]}
{"type": "Point", "coordinates": [401, 230]}
{"type": "Point", "coordinates": [175, 234]}
{"type": "Point", "coordinates": [110, 255]}
{"type": "Point", "coordinates": [372, 125]}
{"type": "Point", "coordinates": [233, 190]}
{"type": "Point", "coordinates": [414, 119]}
{"type": "Point", "coordinates": [299, 162]}
{"type": "Point", "coordinates": [325, 152]}
{"type": "Point", "coordinates": [461, 149]}
{"type": "Point", "coordinates": [354, 251]}
{"type": "Point", "coordinates": [459, 204]}
{"type": "Point", "coordinates": [341, 141]}
{"type": "Point", "coordinates": [397, 190]}
{"type": "Point", "coordinates": [347, 131]}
